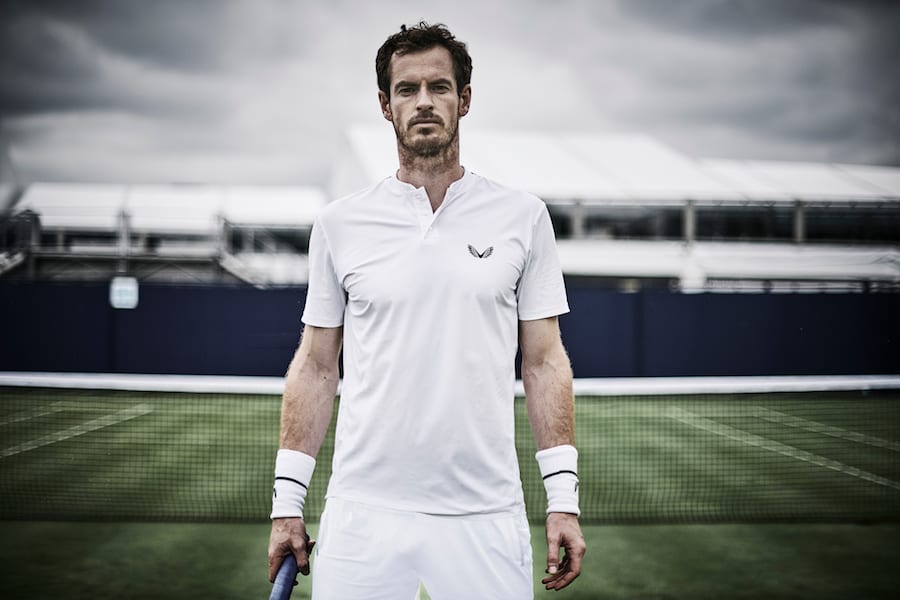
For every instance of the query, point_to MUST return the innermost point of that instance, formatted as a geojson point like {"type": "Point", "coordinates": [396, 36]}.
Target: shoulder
{"type": "Point", "coordinates": [337, 211]}
{"type": "Point", "coordinates": [509, 198]}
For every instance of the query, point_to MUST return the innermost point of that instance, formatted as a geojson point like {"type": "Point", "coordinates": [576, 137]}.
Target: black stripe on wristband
{"type": "Point", "coordinates": [300, 483]}
{"type": "Point", "coordinates": [560, 473]}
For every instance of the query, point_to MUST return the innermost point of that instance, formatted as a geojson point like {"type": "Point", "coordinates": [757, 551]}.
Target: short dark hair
{"type": "Point", "coordinates": [418, 38]}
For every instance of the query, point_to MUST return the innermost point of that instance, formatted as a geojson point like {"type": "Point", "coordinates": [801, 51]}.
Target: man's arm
{"type": "Point", "coordinates": [547, 376]}
{"type": "Point", "coordinates": [309, 390]}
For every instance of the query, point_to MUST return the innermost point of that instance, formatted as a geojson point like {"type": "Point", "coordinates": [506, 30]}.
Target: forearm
{"type": "Point", "coordinates": [309, 390]}
{"type": "Point", "coordinates": [548, 392]}
{"type": "Point", "coordinates": [547, 376]}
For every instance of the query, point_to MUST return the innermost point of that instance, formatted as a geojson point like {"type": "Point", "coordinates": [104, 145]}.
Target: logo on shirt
{"type": "Point", "coordinates": [484, 254]}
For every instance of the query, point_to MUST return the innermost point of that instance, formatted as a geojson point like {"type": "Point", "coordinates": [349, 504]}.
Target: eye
{"type": "Point", "coordinates": [440, 88]}
{"type": "Point", "coordinates": [406, 90]}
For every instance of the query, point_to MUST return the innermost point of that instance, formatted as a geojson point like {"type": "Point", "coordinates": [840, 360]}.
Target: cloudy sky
{"type": "Point", "coordinates": [260, 91]}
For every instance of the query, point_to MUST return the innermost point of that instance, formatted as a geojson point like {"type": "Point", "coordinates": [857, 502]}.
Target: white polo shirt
{"type": "Point", "coordinates": [430, 303]}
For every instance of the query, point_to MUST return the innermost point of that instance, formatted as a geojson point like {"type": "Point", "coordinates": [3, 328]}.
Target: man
{"type": "Point", "coordinates": [429, 280]}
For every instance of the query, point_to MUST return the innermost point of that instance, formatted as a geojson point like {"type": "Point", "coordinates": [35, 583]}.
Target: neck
{"type": "Point", "coordinates": [434, 173]}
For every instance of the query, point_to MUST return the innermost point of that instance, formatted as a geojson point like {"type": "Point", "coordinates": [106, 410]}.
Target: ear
{"type": "Point", "coordinates": [385, 104]}
{"type": "Point", "coordinates": [465, 100]}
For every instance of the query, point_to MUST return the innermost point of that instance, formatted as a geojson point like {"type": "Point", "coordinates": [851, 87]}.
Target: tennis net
{"type": "Point", "coordinates": [651, 451]}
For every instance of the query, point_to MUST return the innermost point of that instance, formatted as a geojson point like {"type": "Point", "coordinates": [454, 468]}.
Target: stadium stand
{"type": "Point", "coordinates": [201, 233]}
{"type": "Point", "coordinates": [630, 213]}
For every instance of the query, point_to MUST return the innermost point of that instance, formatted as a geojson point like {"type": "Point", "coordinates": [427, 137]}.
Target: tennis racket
{"type": "Point", "coordinates": [285, 580]}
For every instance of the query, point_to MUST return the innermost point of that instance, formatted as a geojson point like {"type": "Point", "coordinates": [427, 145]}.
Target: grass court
{"type": "Point", "coordinates": [165, 495]}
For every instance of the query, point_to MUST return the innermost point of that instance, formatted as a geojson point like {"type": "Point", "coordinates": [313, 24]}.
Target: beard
{"type": "Point", "coordinates": [428, 146]}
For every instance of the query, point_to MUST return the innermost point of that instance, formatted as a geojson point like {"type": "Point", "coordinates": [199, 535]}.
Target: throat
{"type": "Point", "coordinates": [435, 181]}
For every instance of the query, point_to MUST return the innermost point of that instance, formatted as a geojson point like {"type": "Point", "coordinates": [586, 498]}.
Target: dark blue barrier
{"type": "Point", "coordinates": [208, 330]}
{"type": "Point", "coordinates": [54, 327]}
{"type": "Point", "coordinates": [662, 334]}
{"type": "Point", "coordinates": [770, 334]}
{"type": "Point", "coordinates": [175, 329]}
{"type": "Point", "coordinates": [240, 330]}
{"type": "Point", "coordinates": [599, 332]}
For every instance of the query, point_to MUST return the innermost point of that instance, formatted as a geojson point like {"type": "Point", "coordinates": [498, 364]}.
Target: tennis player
{"type": "Point", "coordinates": [429, 280]}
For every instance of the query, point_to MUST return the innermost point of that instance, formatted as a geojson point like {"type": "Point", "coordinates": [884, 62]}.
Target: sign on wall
{"type": "Point", "coordinates": [123, 292]}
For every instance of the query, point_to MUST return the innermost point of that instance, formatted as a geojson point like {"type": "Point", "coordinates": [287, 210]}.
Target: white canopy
{"type": "Point", "coordinates": [74, 206]}
{"type": "Point", "coordinates": [194, 209]}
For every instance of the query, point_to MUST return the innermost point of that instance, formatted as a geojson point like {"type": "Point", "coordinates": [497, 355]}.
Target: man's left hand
{"type": "Point", "coordinates": [563, 533]}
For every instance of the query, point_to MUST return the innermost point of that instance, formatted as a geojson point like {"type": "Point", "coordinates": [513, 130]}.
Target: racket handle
{"type": "Point", "coordinates": [285, 579]}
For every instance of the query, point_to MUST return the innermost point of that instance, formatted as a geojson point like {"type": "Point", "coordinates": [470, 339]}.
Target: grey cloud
{"type": "Point", "coordinates": [55, 55]}
{"type": "Point", "coordinates": [798, 79]}
{"type": "Point", "coordinates": [804, 71]}
{"type": "Point", "coordinates": [744, 18]}
{"type": "Point", "coordinates": [39, 71]}
{"type": "Point", "coordinates": [170, 33]}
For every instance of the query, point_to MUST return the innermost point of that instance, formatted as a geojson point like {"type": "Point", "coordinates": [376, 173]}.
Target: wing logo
{"type": "Point", "coordinates": [483, 254]}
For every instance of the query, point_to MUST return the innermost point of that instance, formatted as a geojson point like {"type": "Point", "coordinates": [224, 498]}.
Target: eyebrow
{"type": "Point", "coordinates": [443, 80]}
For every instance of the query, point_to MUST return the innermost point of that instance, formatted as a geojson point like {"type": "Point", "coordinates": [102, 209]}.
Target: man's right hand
{"type": "Point", "coordinates": [289, 537]}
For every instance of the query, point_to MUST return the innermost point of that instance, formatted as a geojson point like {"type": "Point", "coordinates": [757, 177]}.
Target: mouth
{"type": "Point", "coordinates": [425, 121]}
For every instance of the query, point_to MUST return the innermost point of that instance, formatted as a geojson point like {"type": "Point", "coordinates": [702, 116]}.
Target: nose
{"type": "Point", "coordinates": [423, 99]}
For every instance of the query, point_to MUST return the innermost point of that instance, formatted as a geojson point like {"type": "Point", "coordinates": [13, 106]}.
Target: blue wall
{"type": "Point", "coordinates": [664, 334]}
{"type": "Point", "coordinates": [239, 330]}
{"type": "Point", "coordinates": [200, 330]}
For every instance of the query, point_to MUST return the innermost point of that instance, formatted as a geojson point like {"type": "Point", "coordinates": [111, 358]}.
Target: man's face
{"type": "Point", "coordinates": [425, 105]}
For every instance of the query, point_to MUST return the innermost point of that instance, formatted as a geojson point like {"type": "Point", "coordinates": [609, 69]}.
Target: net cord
{"type": "Point", "coordinates": [611, 386]}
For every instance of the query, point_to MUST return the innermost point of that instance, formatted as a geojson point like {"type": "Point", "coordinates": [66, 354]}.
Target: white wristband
{"type": "Point", "coordinates": [293, 472]}
{"type": "Point", "coordinates": [559, 469]}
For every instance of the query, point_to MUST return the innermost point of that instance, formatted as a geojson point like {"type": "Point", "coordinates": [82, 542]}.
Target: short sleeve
{"type": "Point", "coordinates": [325, 297]}
{"type": "Point", "coordinates": [542, 292]}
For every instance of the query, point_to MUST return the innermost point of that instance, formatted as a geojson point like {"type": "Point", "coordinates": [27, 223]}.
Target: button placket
{"type": "Point", "coordinates": [425, 216]}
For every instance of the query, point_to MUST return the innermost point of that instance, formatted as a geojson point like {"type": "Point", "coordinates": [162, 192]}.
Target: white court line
{"type": "Point", "coordinates": [781, 418]}
{"type": "Point", "coordinates": [66, 434]}
{"type": "Point", "coordinates": [54, 408]}
{"type": "Point", "coordinates": [739, 435]}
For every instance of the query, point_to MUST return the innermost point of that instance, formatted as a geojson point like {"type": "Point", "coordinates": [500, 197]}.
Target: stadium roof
{"type": "Point", "coordinates": [171, 208]}
{"type": "Point", "coordinates": [625, 169]}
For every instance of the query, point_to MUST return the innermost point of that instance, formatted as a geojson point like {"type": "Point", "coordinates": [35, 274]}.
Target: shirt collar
{"type": "Point", "coordinates": [458, 186]}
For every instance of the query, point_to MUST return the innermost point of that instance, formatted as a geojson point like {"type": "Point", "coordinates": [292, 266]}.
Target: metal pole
{"type": "Point", "coordinates": [124, 240]}
{"type": "Point", "coordinates": [689, 227]}
{"type": "Point", "coordinates": [578, 226]}
{"type": "Point", "coordinates": [799, 222]}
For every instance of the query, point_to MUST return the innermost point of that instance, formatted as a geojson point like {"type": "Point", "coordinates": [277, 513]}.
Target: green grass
{"type": "Point", "coordinates": [203, 457]}
{"type": "Point", "coordinates": [172, 561]}
{"type": "Point", "coordinates": [184, 458]}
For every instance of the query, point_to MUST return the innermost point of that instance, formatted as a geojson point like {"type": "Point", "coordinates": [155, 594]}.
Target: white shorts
{"type": "Point", "coordinates": [368, 553]}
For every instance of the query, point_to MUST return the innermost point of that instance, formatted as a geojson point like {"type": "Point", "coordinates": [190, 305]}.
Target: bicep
{"type": "Point", "coordinates": [320, 346]}
{"type": "Point", "coordinates": [539, 340]}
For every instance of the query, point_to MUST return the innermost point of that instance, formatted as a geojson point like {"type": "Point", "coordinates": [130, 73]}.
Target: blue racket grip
{"type": "Point", "coordinates": [285, 579]}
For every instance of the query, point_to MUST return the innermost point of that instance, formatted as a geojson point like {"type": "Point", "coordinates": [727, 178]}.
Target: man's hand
{"type": "Point", "coordinates": [289, 537]}
{"type": "Point", "coordinates": [563, 533]}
